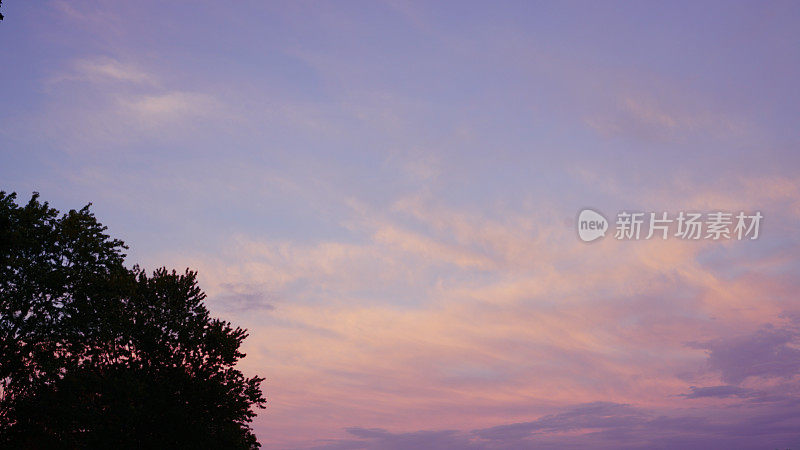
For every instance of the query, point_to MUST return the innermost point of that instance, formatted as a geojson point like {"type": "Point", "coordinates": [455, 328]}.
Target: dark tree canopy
{"type": "Point", "coordinates": [96, 355]}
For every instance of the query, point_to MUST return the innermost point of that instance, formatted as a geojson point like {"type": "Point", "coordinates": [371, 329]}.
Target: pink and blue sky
{"type": "Point", "coordinates": [384, 193]}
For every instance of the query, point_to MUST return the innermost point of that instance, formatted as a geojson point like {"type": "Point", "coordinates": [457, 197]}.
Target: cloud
{"type": "Point", "coordinates": [604, 425]}
{"type": "Point", "coordinates": [106, 103]}
{"type": "Point", "coordinates": [452, 296]}
{"type": "Point", "coordinates": [430, 315]}
{"type": "Point", "coordinates": [589, 416]}
{"type": "Point", "coordinates": [242, 298]}
{"type": "Point", "coordinates": [156, 109]}
{"type": "Point", "coordinates": [769, 352]}
{"type": "Point", "coordinates": [107, 69]}
{"type": "Point", "coordinates": [725, 391]}
{"type": "Point", "coordinates": [647, 118]}
{"type": "Point", "coordinates": [376, 438]}
{"type": "Point", "coordinates": [100, 19]}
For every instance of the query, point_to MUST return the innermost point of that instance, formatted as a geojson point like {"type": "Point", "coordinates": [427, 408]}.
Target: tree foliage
{"type": "Point", "coordinates": [96, 355]}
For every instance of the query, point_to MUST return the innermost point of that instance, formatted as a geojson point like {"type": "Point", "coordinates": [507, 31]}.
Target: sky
{"type": "Point", "coordinates": [384, 193]}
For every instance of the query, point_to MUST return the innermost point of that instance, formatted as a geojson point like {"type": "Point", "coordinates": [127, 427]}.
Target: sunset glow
{"type": "Point", "coordinates": [385, 195]}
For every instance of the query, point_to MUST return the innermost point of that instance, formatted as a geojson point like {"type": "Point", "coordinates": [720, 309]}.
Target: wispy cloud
{"type": "Point", "coordinates": [508, 310]}
{"type": "Point", "coordinates": [645, 118]}
{"type": "Point", "coordinates": [166, 107]}
{"type": "Point", "coordinates": [105, 70]}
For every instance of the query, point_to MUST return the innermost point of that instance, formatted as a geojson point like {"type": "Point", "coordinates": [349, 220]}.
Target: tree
{"type": "Point", "coordinates": [96, 355]}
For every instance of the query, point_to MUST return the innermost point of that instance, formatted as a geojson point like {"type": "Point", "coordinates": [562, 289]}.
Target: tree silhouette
{"type": "Point", "coordinates": [96, 355]}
